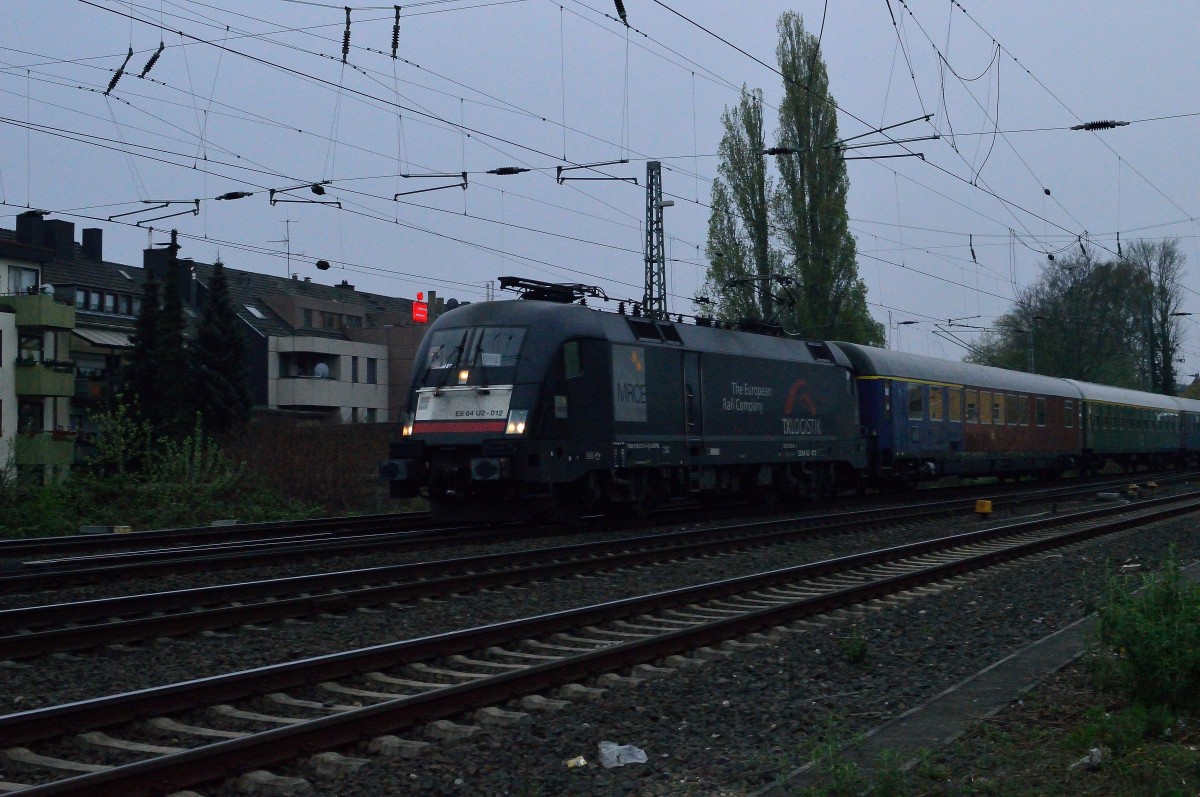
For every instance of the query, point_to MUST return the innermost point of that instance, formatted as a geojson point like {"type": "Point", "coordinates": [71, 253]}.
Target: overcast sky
{"type": "Point", "coordinates": [255, 96]}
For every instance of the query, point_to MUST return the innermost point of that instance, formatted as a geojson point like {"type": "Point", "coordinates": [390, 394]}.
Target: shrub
{"type": "Point", "coordinates": [1152, 637]}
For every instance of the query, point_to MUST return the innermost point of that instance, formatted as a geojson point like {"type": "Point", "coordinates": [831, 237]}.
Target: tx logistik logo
{"type": "Point", "coordinates": [798, 394]}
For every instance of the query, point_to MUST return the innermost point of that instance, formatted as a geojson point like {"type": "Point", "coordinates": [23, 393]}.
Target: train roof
{"type": "Point", "coordinates": [574, 320]}
{"type": "Point", "coordinates": [1121, 395]}
{"type": "Point", "coordinates": [870, 361]}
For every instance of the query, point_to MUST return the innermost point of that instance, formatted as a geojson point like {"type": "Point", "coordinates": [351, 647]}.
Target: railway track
{"type": "Point", "coordinates": [67, 561]}
{"type": "Point", "coordinates": [66, 627]}
{"type": "Point", "coordinates": [402, 686]}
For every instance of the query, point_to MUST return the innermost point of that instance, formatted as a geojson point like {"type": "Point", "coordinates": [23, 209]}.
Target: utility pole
{"type": "Point", "coordinates": [654, 298]}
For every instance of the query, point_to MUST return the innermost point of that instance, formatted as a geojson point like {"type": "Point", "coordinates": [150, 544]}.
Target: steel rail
{"type": "Point", "coordinates": [218, 760]}
{"type": "Point", "coordinates": [195, 609]}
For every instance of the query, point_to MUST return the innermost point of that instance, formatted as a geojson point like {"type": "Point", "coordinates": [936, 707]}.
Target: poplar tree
{"type": "Point", "coordinates": [786, 243]}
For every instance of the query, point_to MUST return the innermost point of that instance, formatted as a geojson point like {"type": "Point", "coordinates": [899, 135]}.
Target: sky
{"type": "Point", "coordinates": [255, 95]}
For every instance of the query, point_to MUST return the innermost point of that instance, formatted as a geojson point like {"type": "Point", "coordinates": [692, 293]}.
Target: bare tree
{"type": "Point", "coordinates": [1159, 265]}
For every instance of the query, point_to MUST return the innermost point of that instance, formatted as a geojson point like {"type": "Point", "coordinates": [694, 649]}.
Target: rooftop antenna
{"type": "Point", "coordinates": [287, 241]}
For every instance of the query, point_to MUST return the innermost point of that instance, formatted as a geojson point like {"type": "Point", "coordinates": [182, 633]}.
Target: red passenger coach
{"type": "Point", "coordinates": [927, 418]}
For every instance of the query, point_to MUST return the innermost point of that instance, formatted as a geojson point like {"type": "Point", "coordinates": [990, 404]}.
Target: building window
{"type": "Point", "coordinates": [81, 299]}
{"type": "Point", "coordinates": [308, 319]}
{"type": "Point", "coordinates": [29, 347]}
{"type": "Point", "coordinates": [110, 303]}
{"type": "Point", "coordinates": [137, 305]}
{"type": "Point", "coordinates": [372, 370]}
{"type": "Point", "coordinates": [30, 416]}
{"type": "Point", "coordinates": [22, 280]}
{"type": "Point", "coordinates": [354, 321]}
{"type": "Point", "coordinates": [372, 415]}
{"type": "Point", "coordinates": [126, 304]}
{"type": "Point", "coordinates": [94, 300]}
{"type": "Point", "coordinates": [353, 369]}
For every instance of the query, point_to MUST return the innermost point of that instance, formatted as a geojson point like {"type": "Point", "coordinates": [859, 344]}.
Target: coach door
{"type": "Point", "coordinates": [693, 414]}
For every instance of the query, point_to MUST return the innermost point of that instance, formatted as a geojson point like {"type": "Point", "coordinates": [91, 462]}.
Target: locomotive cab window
{"type": "Point", "coordinates": [485, 355]}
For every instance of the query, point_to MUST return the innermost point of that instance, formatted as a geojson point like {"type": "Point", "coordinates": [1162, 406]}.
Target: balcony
{"type": "Point", "coordinates": [45, 378]}
{"type": "Point", "coordinates": [40, 310]}
{"type": "Point", "coordinates": [45, 448]}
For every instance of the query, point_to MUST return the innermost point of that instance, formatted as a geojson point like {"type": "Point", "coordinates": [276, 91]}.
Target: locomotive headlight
{"type": "Point", "coordinates": [463, 376]}
{"type": "Point", "coordinates": [406, 429]}
{"type": "Point", "coordinates": [516, 421]}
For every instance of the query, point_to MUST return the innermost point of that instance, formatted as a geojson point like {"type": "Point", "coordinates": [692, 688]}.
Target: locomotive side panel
{"type": "Point", "coordinates": [762, 410]}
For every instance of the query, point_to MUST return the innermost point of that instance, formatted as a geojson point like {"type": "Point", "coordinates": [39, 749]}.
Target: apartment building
{"type": "Point", "coordinates": [36, 371]}
{"type": "Point", "coordinates": [327, 352]}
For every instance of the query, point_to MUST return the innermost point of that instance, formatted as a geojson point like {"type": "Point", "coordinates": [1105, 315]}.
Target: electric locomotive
{"type": "Point", "coordinates": [518, 408]}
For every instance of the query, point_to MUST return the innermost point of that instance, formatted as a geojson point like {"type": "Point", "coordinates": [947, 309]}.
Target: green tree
{"type": "Point", "coordinates": [220, 387]}
{"type": "Point", "coordinates": [1111, 322]}
{"type": "Point", "coordinates": [810, 208]}
{"type": "Point", "coordinates": [782, 249]}
{"type": "Point", "coordinates": [739, 242]}
{"type": "Point", "coordinates": [159, 373]}
{"type": "Point", "coordinates": [141, 372]}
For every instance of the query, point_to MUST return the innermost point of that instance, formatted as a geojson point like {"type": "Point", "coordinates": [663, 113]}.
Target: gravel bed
{"type": "Point", "coordinates": [737, 724]}
{"type": "Point", "coordinates": [741, 724]}
{"type": "Point", "coordinates": [79, 676]}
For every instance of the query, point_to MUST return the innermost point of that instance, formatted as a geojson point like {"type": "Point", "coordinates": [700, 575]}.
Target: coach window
{"type": "Point", "coordinates": [972, 406]}
{"type": "Point", "coordinates": [985, 406]}
{"type": "Point", "coordinates": [998, 409]}
{"type": "Point", "coordinates": [1010, 409]}
{"type": "Point", "coordinates": [936, 395]}
{"type": "Point", "coordinates": [916, 402]}
{"type": "Point", "coordinates": [956, 405]}
{"type": "Point", "coordinates": [1069, 413]}
{"type": "Point", "coordinates": [571, 359]}
{"type": "Point", "coordinates": [1040, 411]}
{"type": "Point", "coordinates": [1023, 409]}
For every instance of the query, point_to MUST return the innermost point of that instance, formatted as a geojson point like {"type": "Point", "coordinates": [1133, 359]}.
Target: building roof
{"type": "Point", "coordinates": [248, 291]}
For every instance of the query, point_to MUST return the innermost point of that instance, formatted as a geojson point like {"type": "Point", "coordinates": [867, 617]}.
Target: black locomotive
{"type": "Point", "coordinates": [518, 408]}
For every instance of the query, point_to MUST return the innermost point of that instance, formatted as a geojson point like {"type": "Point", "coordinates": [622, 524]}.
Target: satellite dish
{"type": "Point", "coordinates": [321, 371]}
{"type": "Point", "coordinates": [323, 265]}
{"type": "Point", "coordinates": [48, 289]}
{"type": "Point", "coordinates": [451, 304]}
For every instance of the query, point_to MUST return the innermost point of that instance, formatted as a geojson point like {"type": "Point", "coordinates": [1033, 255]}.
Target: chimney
{"type": "Point", "coordinates": [344, 284]}
{"type": "Point", "coordinates": [93, 243]}
{"type": "Point", "coordinates": [155, 261]}
{"type": "Point", "coordinates": [60, 236]}
{"type": "Point", "coordinates": [29, 227]}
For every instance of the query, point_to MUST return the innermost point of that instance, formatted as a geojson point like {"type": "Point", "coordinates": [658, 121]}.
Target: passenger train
{"type": "Point", "coordinates": [519, 408]}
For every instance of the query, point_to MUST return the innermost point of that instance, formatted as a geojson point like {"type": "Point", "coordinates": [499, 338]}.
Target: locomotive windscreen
{"type": "Point", "coordinates": [488, 355]}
